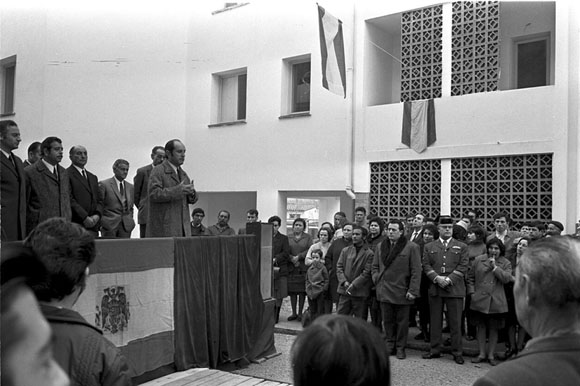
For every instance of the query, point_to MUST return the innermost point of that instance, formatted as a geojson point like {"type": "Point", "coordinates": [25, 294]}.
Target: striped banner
{"type": "Point", "coordinates": [130, 297]}
{"type": "Point", "coordinates": [332, 53]}
{"type": "Point", "coordinates": [419, 124]}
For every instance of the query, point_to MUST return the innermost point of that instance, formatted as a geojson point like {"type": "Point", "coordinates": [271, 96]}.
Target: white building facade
{"type": "Point", "coordinates": [241, 86]}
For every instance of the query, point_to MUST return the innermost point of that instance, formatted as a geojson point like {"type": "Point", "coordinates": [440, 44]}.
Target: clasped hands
{"type": "Point", "coordinates": [443, 281]}
{"type": "Point", "coordinates": [91, 221]}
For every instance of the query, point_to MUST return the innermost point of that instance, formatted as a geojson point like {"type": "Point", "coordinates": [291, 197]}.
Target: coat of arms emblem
{"type": "Point", "coordinates": [114, 314]}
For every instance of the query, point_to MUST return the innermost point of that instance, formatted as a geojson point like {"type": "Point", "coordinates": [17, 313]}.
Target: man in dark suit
{"type": "Point", "coordinates": [47, 186]}
{"type": "Point", "coordinates": [117, 197]}
{"type": "Point", "coordinates": [141, 182]}
{"type": "Point", "coordinates": [33, 154]}
{"type": "Point", "coordinates": [13, 182]}
{"type": "Point", "coordinates": [445, 263]}
{"type": "Point", "coordinates": [85, 203]}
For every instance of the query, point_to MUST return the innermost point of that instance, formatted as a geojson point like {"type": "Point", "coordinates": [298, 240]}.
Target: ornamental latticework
{"type": "Point", "coordinates": [421, 45]}
{"type": "Point", "coordinates": [405, 187]}
{"type": "Point", "coordinates": [520, 185]}
{"type": "Point", "coordinates": [475, 47]}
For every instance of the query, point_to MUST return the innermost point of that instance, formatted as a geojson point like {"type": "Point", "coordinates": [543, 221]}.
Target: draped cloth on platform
{"type": "Point", "coordinates": [218, 303]}
{"type": "Point", "coordinates": [419, 125]}
{"type": "Point", "coordinates": [195, 301]}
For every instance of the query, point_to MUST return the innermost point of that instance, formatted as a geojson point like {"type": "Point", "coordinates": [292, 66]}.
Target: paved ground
{"type": "Point", "coordinates": [409, 372]}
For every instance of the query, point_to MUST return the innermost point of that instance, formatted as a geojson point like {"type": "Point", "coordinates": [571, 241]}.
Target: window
{"type": "Point", "coordinates": [229, 96]}
{"type": "Point", "coordinates": [297, 84]}
{"type": "Point", "coordinates": [8, 67]}
{"type": "Point", "coordinates": [532, 64]}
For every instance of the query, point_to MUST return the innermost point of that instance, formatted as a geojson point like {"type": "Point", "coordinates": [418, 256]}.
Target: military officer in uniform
{"type": "Point", "coordinates": [445, 263]}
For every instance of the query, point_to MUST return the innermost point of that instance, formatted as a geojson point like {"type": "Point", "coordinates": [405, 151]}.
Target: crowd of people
{"type": "Point", "coordinates": [532, 287]}
{"type": "Point", "coordinates": [455, 275]}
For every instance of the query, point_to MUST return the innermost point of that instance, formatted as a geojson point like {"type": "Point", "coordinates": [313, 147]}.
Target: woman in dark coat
{"type": "Point", "coordinates": [375, 236]}
{"type": "Point", "coordinates": [475, 247]}
{"type": "Point", "coordinates": [300, 242]}
{"type": "Point", "coordinates": [280, 255]}
{"type": "Point", "coordinates": [488, 302]}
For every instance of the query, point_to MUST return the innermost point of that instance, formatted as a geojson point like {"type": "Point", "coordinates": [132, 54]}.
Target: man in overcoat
{"type": "Point", "coordinates": [47, 186]}
{"type": "Point", "coordinates": [170, 193]}
{"type": "Point", "coordinates": [396, 272]}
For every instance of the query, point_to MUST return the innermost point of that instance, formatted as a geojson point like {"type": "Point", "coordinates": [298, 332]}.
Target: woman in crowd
{"type": "Point", "coordinates": [300, 242]}
{"type": "Point", "coordinates": [375, 236]}
{"type": "Point", "coordinates": [280, 256]}
{"type": "Point", "coordinates": [323, 243]}
{"type": "Point", "coordinates": [475, 247]}
{"type": "Point", "coordinates": [485, 282]}
{"type": "Point", "coordinates": [516, 333]}
{"type": "Point", "coordinates": [329, 226]}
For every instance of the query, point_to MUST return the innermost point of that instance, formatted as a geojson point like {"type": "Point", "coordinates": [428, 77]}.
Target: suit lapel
{"type": "Point", "coordinates": [43, 169]}
{"type": "Point", "coordinates": [84, 181]}
{"type": "Point", "coordinates": [169, 170]}
{"type": "Point", "coordinates": [9, 165]}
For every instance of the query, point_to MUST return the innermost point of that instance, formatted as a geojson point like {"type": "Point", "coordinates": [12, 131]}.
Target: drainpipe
{"type": "Point", "coordinates": [351, 110]}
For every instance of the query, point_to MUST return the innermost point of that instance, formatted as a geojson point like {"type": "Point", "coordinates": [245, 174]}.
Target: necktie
{"type": "Point", "coordinates": [55, 172]}
{"type": "Point", "coordinates": [84, 174]}
{"type": "Point", "coordinates": [414, 236]}
{"type": "Point", "coordinates": [179, 174]}
{"type": "Point", "coordinates": [123, 198]}
{"type": "Point", "coordinates": [445, 244]}
{"type": "Point", "coordinates": [11, 158]}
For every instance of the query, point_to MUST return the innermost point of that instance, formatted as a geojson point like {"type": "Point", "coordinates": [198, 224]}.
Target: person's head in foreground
{"type": "Point", "coordinates": [547, 286]}
{"type": "Point", "coordinates": [27, 358]}
{"type": "Point", "coordinates": [340, 350]}
{"type": "Point", "coordinates": [547, 300]}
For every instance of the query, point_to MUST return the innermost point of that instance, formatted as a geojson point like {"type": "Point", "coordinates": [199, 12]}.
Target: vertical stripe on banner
{"type": "Point", "coordinates": [419, 125]}
{"type": "Point", "coordinates": [332, 53]}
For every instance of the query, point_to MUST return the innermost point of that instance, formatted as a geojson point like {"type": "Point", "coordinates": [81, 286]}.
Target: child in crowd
{"type": "Point", "coordinates": [316, 284]}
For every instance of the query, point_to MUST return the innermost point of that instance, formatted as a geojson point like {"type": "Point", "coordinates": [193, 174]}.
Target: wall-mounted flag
{"type": "Point", "coordinates": [332, 53]}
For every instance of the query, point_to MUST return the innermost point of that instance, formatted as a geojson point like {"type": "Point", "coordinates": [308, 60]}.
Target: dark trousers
{"type": "Point", "coordinates": [424, 314]}
{"type": "Point", "coordinates": [376, 312]}
{"type": "Point", "coordinates": [352, 305]}
{"type": "Point", "coordinates": [454, 312]}
{"type": "Point", "coordinates": [316, 306]}
{"type": "Point", "coordinates": [119, 233]}
{"type": "Point", "coordinates": [396, 320]}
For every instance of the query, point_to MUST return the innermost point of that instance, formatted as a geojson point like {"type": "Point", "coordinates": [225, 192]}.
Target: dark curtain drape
{"type": "Point", "coordinates": [218, 304]}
